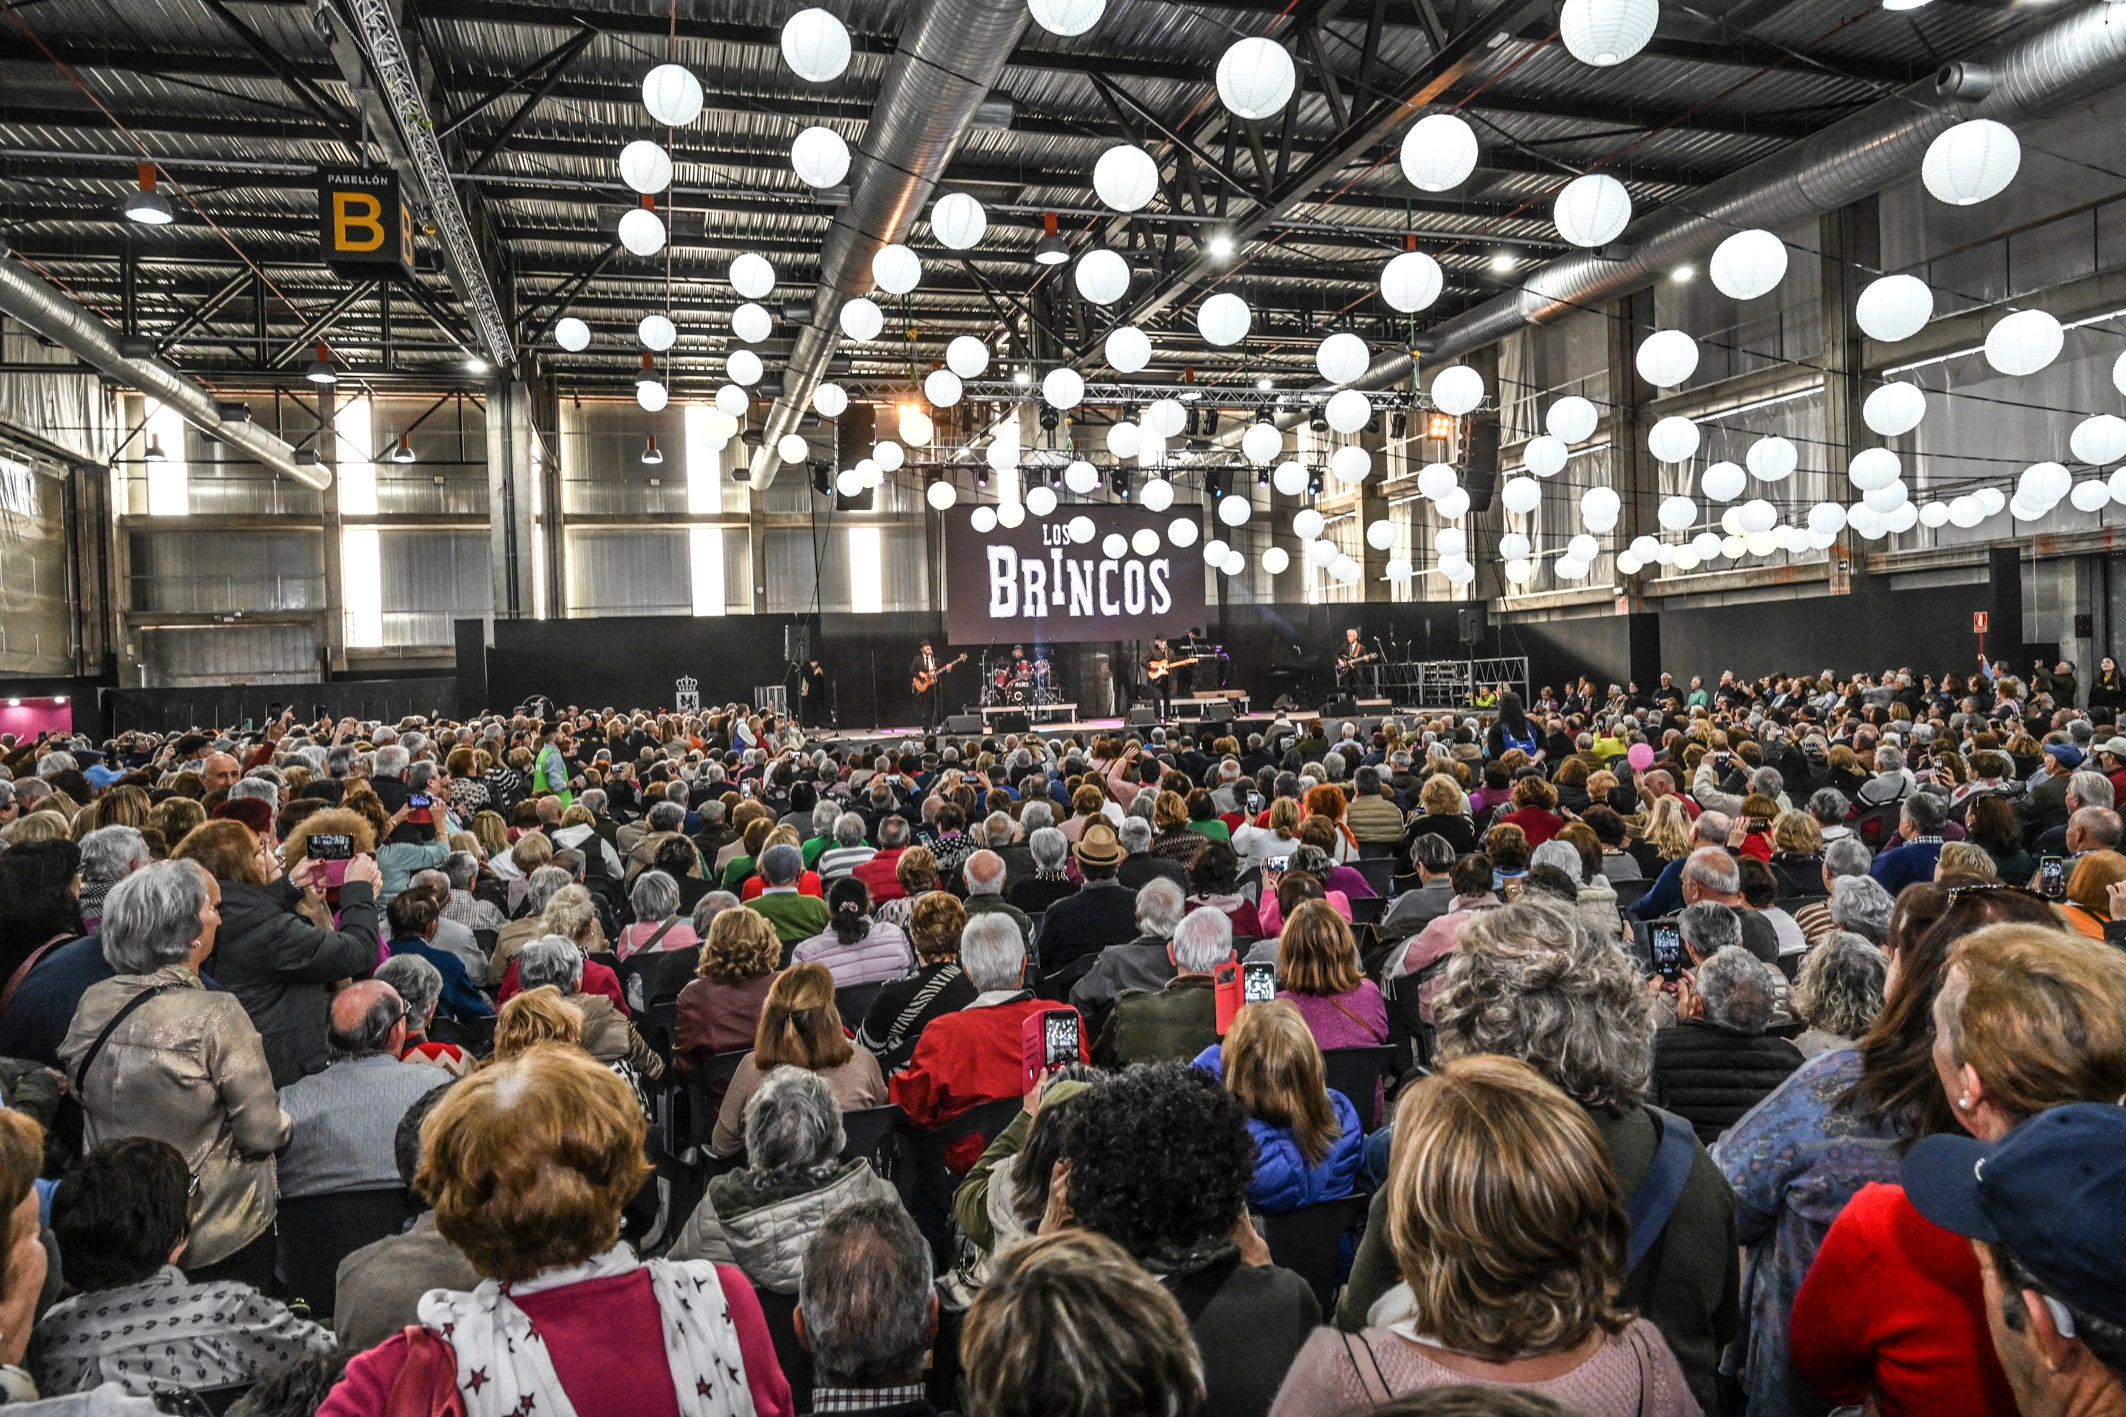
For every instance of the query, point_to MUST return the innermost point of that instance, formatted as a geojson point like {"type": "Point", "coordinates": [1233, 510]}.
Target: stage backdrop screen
{"type": "Point", "coordinates": [1033, 581]}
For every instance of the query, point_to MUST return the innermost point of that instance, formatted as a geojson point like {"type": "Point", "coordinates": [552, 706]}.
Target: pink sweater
{"type": "Point", "coordinates": [607, 1345]}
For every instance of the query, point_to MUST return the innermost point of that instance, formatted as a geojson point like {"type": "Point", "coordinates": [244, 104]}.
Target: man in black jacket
{"type": "Point", "coordinates": [1716, 1061]}
{"type": "Point", "coordinates": [1102, 913]}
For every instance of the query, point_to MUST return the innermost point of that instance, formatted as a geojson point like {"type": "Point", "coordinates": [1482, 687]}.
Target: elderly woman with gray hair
{"type": "Point", "coordinates": [1716, 1061]}
{"type": "Point", "coordinates": [761, 1217]}
{"type": "Point", "coordinates": [1838, 993]}
{"type": "Point", "coordinates": [556, 963]}
{"type": "Point", "coordinates": [152, 1053]}
{"type": "Point", "coordinates": [419, 985]}
{"type": "Point", "coordinates": [658, 923]}
{"type": "Point", "coordinates": [108, 856]}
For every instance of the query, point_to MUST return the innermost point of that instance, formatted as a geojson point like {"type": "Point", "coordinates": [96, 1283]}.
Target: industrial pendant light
{"type": "Point", "coordinates": [148, 206]}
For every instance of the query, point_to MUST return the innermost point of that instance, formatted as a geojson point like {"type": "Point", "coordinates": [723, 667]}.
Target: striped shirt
{"type": "Point", "coordinates": [838, 861]}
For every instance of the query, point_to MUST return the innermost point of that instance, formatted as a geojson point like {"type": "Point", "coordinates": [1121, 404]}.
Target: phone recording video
{"type": "Point", "coordinates": [1279, 864]}
{"type": "Point", "coordinates": [419, 800]}
{"type": "Point", "coordinates": [1667, 942]}
{"type": "Point", "coordinates": [337, 846]}
{"type": "Point", "coordinates": [1258, 981]}
{"type": "Point", "coordinates": [1254, 803]}
{"type": "Point", "coordinates": [2052, 877]}
{"type": "Point", "coordinates": [1060, 1028]}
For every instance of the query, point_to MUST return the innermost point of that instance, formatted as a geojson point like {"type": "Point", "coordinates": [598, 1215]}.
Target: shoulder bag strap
{"type": "Point", "coordinates": [1378, 1036]}
{"type": "Point", "coordinates": [22, 970]}
{"type": "Point", "coordinates": [81, 1070]}
{"type": "Point", "coordinates": [1370, 1377]}
{"type": "Point", "coordinates": [1654, 1199]}
{"type": "Point", "coordinates": [649, 946]}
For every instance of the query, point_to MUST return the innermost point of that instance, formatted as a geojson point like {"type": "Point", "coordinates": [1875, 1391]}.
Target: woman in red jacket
{"type": "Point", "coordinates": [1892, 1312]}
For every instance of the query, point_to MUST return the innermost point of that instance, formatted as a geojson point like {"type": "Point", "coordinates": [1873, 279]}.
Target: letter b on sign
{"type": "Point", "coordinates": [357, 222]}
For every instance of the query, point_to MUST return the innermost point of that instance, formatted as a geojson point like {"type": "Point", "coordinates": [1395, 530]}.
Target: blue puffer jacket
{"type": "Point", "coordinates": [1283, 1180]}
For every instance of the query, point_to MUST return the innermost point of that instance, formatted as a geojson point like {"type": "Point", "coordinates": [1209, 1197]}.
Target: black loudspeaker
{"type": "Point", "coordinates": [1340, 708]}
{"type": "Point", "coordinates": [963, 723]}
{"type": "Point", "coordinates": [1469, 622]}
{"type": "Point", "coordinates": [1218, 711]}
{"type": "Point", "coordinates": [854, 434]}
{"type": "Point", "coordinates": [1481, 455]}
{"type": "Point", "coordinates": [1019, 722]}
{"type": "Point", "coordinates": [1141, 717]}
{"type": "Point", "coordinates": [795, 642]}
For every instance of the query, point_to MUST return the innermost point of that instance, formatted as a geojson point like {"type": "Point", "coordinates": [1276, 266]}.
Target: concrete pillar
{"type": "Point", "coordinates": [1850, 240]}
{"type": "Point", "coordinates": [328, 451]}
{"type": "Point", "coordinates": [513, 555]}
{"type": "Point", "coordinates": [1633, 472]}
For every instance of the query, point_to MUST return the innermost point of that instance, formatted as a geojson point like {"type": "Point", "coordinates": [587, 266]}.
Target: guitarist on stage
{"type": "Point", "coordinates": [1352, 659]}
{"type": "Point", "coordinates": [1161, 676]}
{"type": "Point", "coordinates": [925, 672]}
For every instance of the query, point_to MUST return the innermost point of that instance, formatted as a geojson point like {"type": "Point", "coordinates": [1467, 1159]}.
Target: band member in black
{"type": "Point", "coordinates": [1354, 662]}
{"type": "Point", "coordinates": [930, 697]}
{"type": "Point", "coordinates": [1160, 676]}
{"type": "Point", "coordinates": [812, 695]}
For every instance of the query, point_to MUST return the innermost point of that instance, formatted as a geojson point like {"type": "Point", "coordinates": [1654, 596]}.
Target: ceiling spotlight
{"type": "Point", "coordinates": [148, 206]}
{"type": "Point", "coordinates": [1220, 245]}
{"type": "Point", "coordinates": [650, 456]}
{"type": "Point", "coordinates": [1439, 427]}
{"type": "Point", "coordinates": [1264, 384]}
{"type": "Point", "coordinates": [1051, 249]}
{"type": "Point", "coordinates": [320, 370]}
{"type": "Point", "coordinates": [474, 364]}
{"type": "Point", "coordinates": [404, 451]}
{"type": "Point", "coordinates": [155, 452]}
{"type": "Point", "coordinates": [1681, 275]}
{"type": "Point", "coordinates": [1503, 261]}
{"type": "Point", "coordinates": [1023, 378]}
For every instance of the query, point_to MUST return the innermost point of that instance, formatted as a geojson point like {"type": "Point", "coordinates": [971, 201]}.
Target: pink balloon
{"type": "Point", "coordinates": [1641, 756]}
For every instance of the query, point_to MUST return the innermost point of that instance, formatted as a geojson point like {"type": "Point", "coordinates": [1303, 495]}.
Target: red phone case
{"type": "Point", "coordinates": [1227, 991]}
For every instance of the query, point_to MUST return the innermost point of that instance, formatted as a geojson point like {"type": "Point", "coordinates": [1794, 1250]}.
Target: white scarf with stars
{"type": "Point", "coordinates": [504, 1369]}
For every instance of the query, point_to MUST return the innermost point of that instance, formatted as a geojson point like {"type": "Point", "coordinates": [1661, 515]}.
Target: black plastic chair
{"type": "Point", "coordinates": [1309, 1242]}
{"type": "Point", "coordinates": [1628, 892]}
{"type": "Point", "coordinates": [660, 1029]}
{"type": "Point", "coordinates": [314, 1233]}
{"type": "Point", "coordinates": [1368, 909]}
{"type": "Point", "coordinates": [868, 1130]}
{"type": "Point", "coordinates": [1379, 872]}
{"type": "Point", "coordinates": [923, 1153]}
{"type": "Point", "coordinates": [853, 1001]}
{"type": "Point", "coordinates": [1378, 850]}
{"type": "Point", "coordinates": [695, 1102]}
{"type": "Point", "coordinates": [1354, 1071]}
{"type": "Point", "coordinates": [780, 1310]}
{"type": "Point", "coordinates": [1056, 987]}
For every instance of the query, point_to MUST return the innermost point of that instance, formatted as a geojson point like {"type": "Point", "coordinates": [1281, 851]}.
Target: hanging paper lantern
{"type": "Point", "coordinates": [2024, 342]}
{"type": "Point", "coordinates": [1759, 515]}
{"type": "Point", "coordinates": [1233, 509]}
{"type": "Point", "coordinates": [1676, 513]}
{"type": "Point", "coordinates": [1583, 548]}
{"type": "Point", "coordinates": [641, 231]}
{"type": "Point", "coordinates": [1599, 508]}
{"type": "Point", "coordinates": [1348, 411]}
{"type": "Point", "coordinates": [752, 323]}
{"type": "Point", "coordinates": [1991, 500]}
{"type": "Point", "coordinates": [732, 402]}
{"type": "Point", "coordinates": [2118, 374]}
{"type": "Point", "coordinates": [1646, 548]}
{"type": "Point", "coordinates": [1572, 419]}
{"type": "Point", "coordinates": [1350, 463]}
{"type": "Point", "coordinates": [1457, 390]}
{"type": "Point", "coordinates": [1345, 570]}
{"type": "Point", "coordinates": [1276, 560]}
{"type": "Point", "coordinates": [942, 388]}
{"type": "Point", "coordinates": [1439, 153]}
{"type": "Point", "coordinates": [1570, 568]}
{"type": "Point", "coordinates": [1894, 308]}
{"type": "Point", "coordinates": [1011, 515]}
{"type": "Point", "coordinates": [862, 319]}
{"type": "Point", "coordinates": [1606, 32]}
{"type": "Point", "coordinates": [967, 357]}
{"type": "Point", "coordinates": [1592, 211]}
{"type": "Point", "coordinates": [1398, 569]}
{"type": "Point", "coordinates": [916, 427]}
{"type": "Point", "coordinates": [1262, 443]}
{"type": "Point", "coordinates": [672, 95]}
{"type": "Point", "coordinates": [849, 482]}
{"type": "Point", "coordinates": [652, 395]}
{"type": "Point", "coordinates": [815, 45]}
{"type": "Point", "coordinates": [2099, 440]}
{"type": "Point", "coordinates": [942, 494]}
{"type": "Point", "coordinates": [1081, 477]}
{"type": "Point", "coordinates": [1256, 78]}
{"type": "Point", "coordinates": [657, 333]}
{"type": "Point", "coordinates": [1380, 534]}
{"type": "Point", "coordinates": [897, 269]}
{"type": "Point", "coordinates": [983, 520]}
{"type": "Point", "coordinates": [1128, 349]}
{"type": "Point", "coordinates": [1040, 501]}
{"type": "Point", "coordinates": [1215, 550]}
{"type": "Point", "coordinates": [1934, 514]}
{"type": "Point", "coordinates": [1223, 319]}
{"type": "Point", "coordinates": [1521, 494]}
{"type": "Point", "coordinates": [1872, 468]}
{"type": "Point", "coordinates": [1667, 358]}
{"type": "Point", "coordinates": [1144, 541]}
{"type": "Point", "coordinates": [1748, 264]}
{"type": "Point", "coordinates": [1342, 358]}
{"type": "Point", "coordinates": [1166, 417]}
{"type": "Point", "coordinates": [1067, 17]}
{"type": "Point", "coordinates": [1772, 459]}
{"type": "Point", "coordinates": [1454, 505]}
{"type": "Point", "coordinates": [1894, 409]}
{"type": "Point", "coordinates": [1966, 512]}
{"type": "Point", "coordinates": [1673, 439]}
{"type": "Point", "coordinates": [1290, 478]}
{"type": "Point", "coordinates": [1157, 496]}
{"type": "Point", "coordinates": [819, 157]}
{"type": "Point", "coordinates": [1411, 282]}
{"type": "Point", "coordinates": [1102, 276]}
{"type": "Point", "coordinates": [1063, 388]}
{"type": "Point", "coordinates": [2044, 484]}
{"type": "Point", "coordinates": [1723, 482]}
{"type": "Point", "coordinates": [1971, 162]}
{"type": "Point", "coordinates": [752, 276]}
{"type": "Point", "coordinates": [572, 334]}
{"type": "Point", "coordinates": [791, 447]}
{"type": "Point", "coordinates": [890, 456]}
{"type": "Point", "coordinates": [2118, 487]}
{"type": "Point", "coordinates": [1307, 524]}
{"type": "Point", "coordinates": [1126, 177]}
{"type": "Point", "coordinates": [2090, 495]}
{"type": "Point", "coordinates": [1436, 480]}
{"type": "Point", "coordinates": [1123, 440]}
{"type": "Point", "coordinates": [645, 167]}
{"type": "Point", "coordinates": [1520, 572]}
{"type": "Point", "coordinates": [1513, 546]}
{"type": "Point", "coordinates": [1627, 565]}
{"type": "Point", "coordinates": [744, 367]}
{"type": "Point", "coordinates": [958, 221]}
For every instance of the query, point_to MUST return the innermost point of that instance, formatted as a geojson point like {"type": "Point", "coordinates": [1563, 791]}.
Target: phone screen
{"type": "Point", "coordinates": [2051, 877]}
{"type": "Point", "coordinates": [1254, 802]}
{"type": "Point", "coordinates": [1259, 981]}
{"type": "Point", "coordinates": [419, 799]}
{"type": "Point", "coordinates": [1060, 1029]}
{"type": "Point", "coordinates": [1668, 951]}
{"type": "Point", "coordinates": [333, 847]}
{"type": "Point", "coordinates": [1279, 864]}
{"type": "Point", "coordinates": [745, 789]}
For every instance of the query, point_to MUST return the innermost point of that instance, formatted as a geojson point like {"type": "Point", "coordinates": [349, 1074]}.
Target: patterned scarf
{"type": "Point", "coordinates": [504, 1369]}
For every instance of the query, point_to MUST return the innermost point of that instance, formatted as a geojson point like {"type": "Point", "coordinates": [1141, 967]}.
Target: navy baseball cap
{"type": "Point", "coordinates": [2052, 1193]}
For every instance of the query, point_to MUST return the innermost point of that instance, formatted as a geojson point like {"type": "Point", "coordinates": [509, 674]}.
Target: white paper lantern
{"type": "Point", "coordinates": [897, 269]}
{"type": "Point", "coordinates": [1342, 358]}
{"type": "Point", "coordinates": [2118, 374]}
{"type": "Point", "coordinates": [1447, 541]}
{"type": "Point", "coordinates": [1894, 308]}
{"type": "Point", "coordinates": [1215, 550]}
{"type": "Point", "coordinates": [1157, 496]}
{"type": "Point", "coordinates": [1380, 534]}
{"type": "Point", "coordinates": [1676, 513]}
{"type": "Point", "coordinates": [1646, 548]}
{"type": "Point", "coordinates": [1081, 477]}
{"type": "Point", "coordinates": [1606, 32]}
{"type": "Point", "coordinates": [1971, 162]}
{"type": "Point", "coordinates": [1063, 388]}
{"type": "Point", "coordinates": [1166, 417]}
{"type": "Point", "coordinates": [646, 167]}
{"type": "Point", "coordinates": [942, 494]}
{"type": "Point", "coordinates": [1772, 459]}
{"type": "Point", "coordinates": [1439, 153]}
{"type": "Point", "coordinates": [1011, 515]}
{"type": "Point", "coordinates": [2024, 342]}
{"type": "Point", "coordinates": [2044, 484]}
{"type": "Point", "coordinates": [862, 319]}
{"type": "Point", "coordinates": [1583, 548]}
{"type": "Point", "coordinates": [917, 428]}
{"type": "Point", "coordinates": [1901, 519]}
{"type": "Point", "coordinates": [1080, 529]}
{"type": "Point", "coordinates": [889, 455]}
{"type": "Point", "coordinates": [1348, 410]}
{"type": "Point", "coordinates": [2090, 495]}
{"type": "Point", "coordinates": [967, 357]}
{"type": "Point", "coordinates": [1003, 454]}
{"type": "Point", "coordinates": [1520, 572]}
{"type": "Point", "coordinates": [1306, 524]}
{"type": "Point", "coordinates": [1673, 439]}
{"type": "Point", "coordinates": [958, 221]}
{"type": "Point", "coordinates": [752, 323]}
{"type": "Point", "coordinates": [1572, 419]}
{"type": "Point", "coordinates": [1627, 565]}
{"type": "Point", "coordinates": [1128, 349]}
{"type": "Point", "coordinates": [642, 231]}
{"type": "Point", "coordinates": [1261, 444]}
{"type": "Point", "coordinates": [572, 334]}
{"type": "Point", "coordinates": [1411, 282]}
{"type": "Point", "coordinates": [2024, 512]}
{"type": "Point", "coordinates": [815, 45]}
{"type": "Point", "coordinates": [1144, 541]}
{"type": "Point", "coordinates": [1067, 17]}
{"type": "Point", "coordinates": [1102, 276]}
{"type": "Point", "coordinates": [1276, 560]}
{"type": "Point", "coordinates": [1040, 501]}
{"type": "Point", "coordinates": [819, 157]}
{"type": "Point", "coordinates": [1454, 505]}
{"type": "Point", "coordinates": [1256, 78]}
{"type": "Point", "coordinates": [791, 447]}
{"type": "Point", "coordinates": [752, 276]}
{"type": "Point", "coordinates": [1398, 569]}
{"type": "Point", "coordinates": [1345, 570]}
{"type": "Point", "coordinates": [1748, 264]}
{"type": "Point", "coordinates": [1872, 468]}
{"type": "Point", "coordinates": [1457, 390]}
{"type": "Point", "coordinates": [1965, 512]}
{"type": "Point", "coordinates": [983, 520]}
{"type": "Point", "coordinates": [652, 395]}
{"type": "Point", "coordinates": [1991, 500]}
{"type": "Point", "coordinates": [1521, 494]}
{"type": "Point", "coordinates": [1894, 409]}
{"type": "Point", "coordinates": [672, 95]}
{"type": "Point", "coordinates": [1290, 478]}
{"type": "Point", "coordinates": [1759, 515]}
{"type": "Point", "coordinates": [732, 402]}
{"type": "Point", "coordinates": [2118, 487]}
{"type": "Point", "coordinates": [1569, 568]}
{"type": "Point", "coordinates": [1934, 514]}
{"type": "Point", "coordinates": [1126, 177]}
{"type": "Point", "coordinates": [1728, 546]}
{"type": "Point", "coordinates": [1513, 546]}
{"type": "Point", "coordinates": [1436, 480]}
{"type": "Point", "coordinates": [1731, 521]}
{"type": "Point", "coordinates": [1761, 543]}
{"type": "Point", "coordinates": [1827, 518]}
{"type": "Point", "coordinates": [1723, 482]}
{"type": "Point", "coordinates": [1223, 319]}
{"type": "Point", "coordinates": [1599, 508]}
{"type": "Point", "coordinates": [1123, 440]}
{"type": "Point", "coordinates": [1592, 211]}
{"type": "Point", "coordinates": [850, 483]}
{"type": "Point", "coordinates": [1666, 358]}
{"type": "Point", "coordinates": [1350, 463]}
{"type": "Point", "coordinates": [744, 367]}
{"type": "Point", "coordinates": [2099, 440]}
{"type": "Point", "coordinates": [1233, 509]}
{"type": "Point", "coordinates": [657, 333]}
{"type": "Point", "coordinates": [942, 388]}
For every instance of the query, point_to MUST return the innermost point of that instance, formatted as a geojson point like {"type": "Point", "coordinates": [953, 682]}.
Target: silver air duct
{"type": "Point", "coordinates": [941, 73]}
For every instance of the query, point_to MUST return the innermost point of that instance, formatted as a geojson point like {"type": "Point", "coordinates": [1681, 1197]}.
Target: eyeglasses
{"type": "Point", "coordinates": [2024, 891]}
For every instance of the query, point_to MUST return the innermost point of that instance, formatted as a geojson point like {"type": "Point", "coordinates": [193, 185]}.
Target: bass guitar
{"type": "Point", "coordinates": [923, 682]}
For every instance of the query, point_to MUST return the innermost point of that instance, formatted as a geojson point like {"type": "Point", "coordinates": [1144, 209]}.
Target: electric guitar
{"type": "Point", "coordinates": [1159, 668]}
{"type": "Point", "coordinates": [925, 681]}
{"type": "Point", "coordinates": [1350, 662]}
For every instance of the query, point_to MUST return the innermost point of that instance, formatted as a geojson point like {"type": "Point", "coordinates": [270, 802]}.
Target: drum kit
{"type": "Point", "coordinates": [1021, 683]}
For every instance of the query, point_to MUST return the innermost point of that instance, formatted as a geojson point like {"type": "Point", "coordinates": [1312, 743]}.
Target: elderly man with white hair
{"type": "Point", "coordinates": [1665, 896]}
{"type": "Point", "coordinates": [1180, 1020]}
{"type": "Point", "coordinates": [108, 856]}
{"type": "Point", "coordinates": [973, 1056]}
{"type": "Point", "coordinates": [984, 876]}
{"type": "Point", "coordinates": [1146, 962]}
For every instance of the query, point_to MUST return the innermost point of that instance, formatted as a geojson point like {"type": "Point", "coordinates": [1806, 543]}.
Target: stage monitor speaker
{"type": "Point", "coordinates": [1340, 708]}
{"type": "Point", "coordinates": [1186, 712]}
{"type": "Point", "coordinates": [1142, 717]}
{"type": "Point", "coordinates": [963, 723]}
{"type": "Point", "coordinates": [1481, 459]}
{"type": "Point", "coordinates": [1218, 711]}
{"type": "Point", "coordinates": [1020, 722]}
{"type": "Point", "coordinates": [1469, 621]}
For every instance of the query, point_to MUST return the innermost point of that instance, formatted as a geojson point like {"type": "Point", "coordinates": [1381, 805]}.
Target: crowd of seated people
{"type": "Point", "coordinates": [1755, 1049]}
